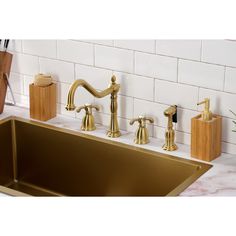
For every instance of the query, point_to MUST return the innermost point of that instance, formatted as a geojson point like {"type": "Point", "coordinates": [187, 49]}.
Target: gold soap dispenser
{"type": "Point", "coordinates": [206, 132]}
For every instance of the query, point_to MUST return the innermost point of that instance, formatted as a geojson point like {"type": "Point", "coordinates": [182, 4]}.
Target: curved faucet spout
{"type": "Point", "coordinates": [112, 89]}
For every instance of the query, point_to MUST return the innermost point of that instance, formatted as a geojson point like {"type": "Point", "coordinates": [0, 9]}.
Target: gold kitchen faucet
{"type": "Point", "coordinates": [113, 89]}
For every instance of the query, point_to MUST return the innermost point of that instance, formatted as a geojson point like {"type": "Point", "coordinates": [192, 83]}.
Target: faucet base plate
{"type": "Point", "coordinates": [113, 134]}
{"type": "Point", "coordinates": [88, 128]}
{"type": "Point", "coordinates": [170, 148]}
{"type": "Point", "coordinates": [138, 141]}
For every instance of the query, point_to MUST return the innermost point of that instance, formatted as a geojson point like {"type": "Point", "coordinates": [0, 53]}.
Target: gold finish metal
{"type": "Point", "coordinates": [52, 161]}
{"type": "Point", "coordinates": [113, 89]}
{"type": "Point", "coordinates": [141, 135]}
{"type": "Point", "coordinates": [170, 133]}
{"type": "Point", "coordinates": [206, 114]}
{"type": "Point", "coordinates": [88, 120]}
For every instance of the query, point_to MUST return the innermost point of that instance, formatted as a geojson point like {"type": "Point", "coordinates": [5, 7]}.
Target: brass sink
{"type": "Point", "coordinates": [42, 160]}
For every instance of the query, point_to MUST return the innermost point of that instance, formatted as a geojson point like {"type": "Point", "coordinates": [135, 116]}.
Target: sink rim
{"type": "Point", "coordinates": [201, 167]}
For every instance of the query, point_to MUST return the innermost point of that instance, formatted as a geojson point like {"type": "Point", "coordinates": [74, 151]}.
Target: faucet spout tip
{"type": "Point", "coordinates": [70, 107]}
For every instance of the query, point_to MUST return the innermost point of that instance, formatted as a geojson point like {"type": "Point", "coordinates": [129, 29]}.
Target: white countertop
{"type": "Point", "coordinates": [220, 180]}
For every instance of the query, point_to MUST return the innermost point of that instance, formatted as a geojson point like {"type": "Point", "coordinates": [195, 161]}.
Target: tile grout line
{"type": "Point", "coordinates": [224, 79]}
{"type": "Point", "coordinates": [201, 51]}
{"type": "Point", "coordinates": [177, 70]}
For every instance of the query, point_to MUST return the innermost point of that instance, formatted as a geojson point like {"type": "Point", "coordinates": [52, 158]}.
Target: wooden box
{"type": "Point", "coordinates": [206, 138]}
{"type": "Point", "coordinates": [42, 102]}
{"type": "Point", "coordinates": [5, 67]}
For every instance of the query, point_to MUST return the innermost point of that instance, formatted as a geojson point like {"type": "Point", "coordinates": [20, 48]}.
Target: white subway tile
{"type": "Point", "coordinates": [181, 137]}
{"type": "Point", "coordinates": [139, 45]}
{"type": "Point", "coordinates": [20, 99]}
{"type": "Point", "coordinates": [230, 80]}
{"type": "Point", "coordinates": [78, 52]}
{"type": "Point", "coordinates": [114, 58]}
{"type": "Point", "coordinates": [62, 92]}
{"type": "Point", "coordinates": [99, 41]}
{"type": "Point", "coordinates": [101, 118]}
{"type": "Point", "coordinates": [156, 66]}
{"type": "Point", "coordinates": [27, 81]}
{"type": "Point", "coordinates": [228, 148]}
{"type": "Point", "coordinates": [159, 132]}
{"type": "Point", "coordinates": [44, 48]}
{"type": "Point", "coordinates": [98, 78]}
{"type": "Point", "coordinates": [151, 109]}
{"type": "Point", "coordinates": [136, 86]}
{"type": "Point", "coordinates": [188, 49]}
{"type": "Point", "coordinates": [184, 117]}
{"type": "Point", "coordinates": [17, 83]}
{"type": "Point", "coordinates": [201, 74]}
{"type": "Point", "coordinates": [227, 134]}
{"type": "Point", "coordinates": [25, 64]}
{"type": "Point", "coordinates": [82, 96]}
{"type": "Point", "coordinates": [125, 106]}
{"type": "Point", "coordinates": [60, 70]}
{"type": "Point", "coordinates": [221, 102]}
{"type": "Point", "coordinates": [221, 52]}
{"type": "Point", "coordinates": [176, 94]}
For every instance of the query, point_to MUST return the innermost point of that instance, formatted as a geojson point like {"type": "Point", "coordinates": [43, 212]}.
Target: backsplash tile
{"type": "Point", "coordinates": [153, 74]}
{"type": "Point", "coordinates": [44, 48]}
{"type": "Point", "coordinates": [17, 83]}
{"type": "Point", "coordinates": [201, 74]}
{"type": "Point", "coordinates": [188, 49]}
{"type": "Point", "coordinates": [230, 80]}
{"type": "Point", "coordinates": [156, 66]}
{"type": "Point", "coordinates": [114, 58]}
{"type": "Point", "coordinates": [221, 52]}
{"type": "Point", "coordinates": [136, 86]}
{"type": "Point", "coordinates": [78, 52]}
{"type": "Point", "coordinates": [25, 64]}
{"type": "Point", "coordinates": [176, 94]}
{"type": "Point", "coordinates": [60, 70]}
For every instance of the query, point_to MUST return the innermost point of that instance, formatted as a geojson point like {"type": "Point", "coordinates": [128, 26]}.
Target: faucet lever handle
{"type": "Point", "coordinates": [88, 108]}
{"type": "Point", "coordinates": [132, 121]}
{"type": "Point", "coordinates": [142, 120]}
{"type": "Point", "coordinates": [150, 119]}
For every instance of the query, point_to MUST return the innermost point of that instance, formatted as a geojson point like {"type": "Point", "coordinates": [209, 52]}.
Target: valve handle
{"type": "Point", "coordinates": [88, 108]}
{"type": "Point", "coordinates": [142, 120]}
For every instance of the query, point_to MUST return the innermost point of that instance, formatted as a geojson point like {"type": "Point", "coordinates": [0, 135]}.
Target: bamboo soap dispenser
{"type": "Point", "coordinates": [206, 131]}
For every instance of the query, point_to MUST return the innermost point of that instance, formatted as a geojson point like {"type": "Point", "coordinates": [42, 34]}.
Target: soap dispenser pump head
{"type": "Point", "coordinates": [206, 114]}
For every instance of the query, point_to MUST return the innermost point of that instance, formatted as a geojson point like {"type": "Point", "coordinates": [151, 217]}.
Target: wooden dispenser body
{"type": "Point", "coordinates": [42, 102]}
{"type": "Point", "coordinates": [206, 138]}
{"type": "Point", "coordinates": [5, 67]}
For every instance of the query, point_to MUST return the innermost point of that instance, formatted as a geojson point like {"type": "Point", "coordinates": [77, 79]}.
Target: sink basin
{"type": "Point", "coordinates": [42, 160]}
